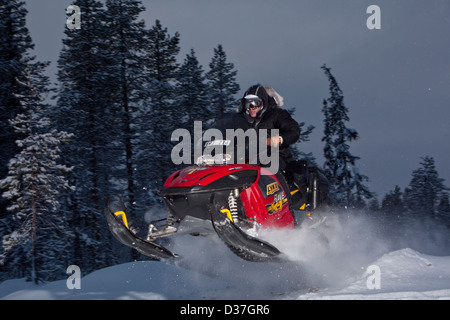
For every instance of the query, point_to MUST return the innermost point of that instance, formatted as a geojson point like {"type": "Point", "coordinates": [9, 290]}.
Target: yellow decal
{"type": "Point", "coordinates": [124, 217]}
{"type": "Point", "coordinates": [276, 206]}
{"type": "Point", "coordinates": [228, 213]}
{"type": "Point", "coordinates": [303, 206]}
{"type": "Point", "coordinates": [294, 192]}
{"type": "Point", "coordinates": [272, 188]}
{"type": "Point", "coordinates": [195, 170]}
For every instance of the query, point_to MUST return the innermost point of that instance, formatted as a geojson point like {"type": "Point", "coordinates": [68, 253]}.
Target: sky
{"type": "Point", "coordinates": [395, 80]}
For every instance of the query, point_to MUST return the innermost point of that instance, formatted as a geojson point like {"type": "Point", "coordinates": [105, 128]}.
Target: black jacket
{"type": "Point", "coordinates": [272, 117]}
{"type": "Point", "coordinates": [289, 130]}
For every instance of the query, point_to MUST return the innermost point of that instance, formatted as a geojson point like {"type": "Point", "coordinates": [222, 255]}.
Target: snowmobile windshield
{"type": "Point", "coordinates": [210, 155]}
{"type": "Point", "coordinates": [231, 140]}
{"type": "Point", "coordinates": [209, 160]}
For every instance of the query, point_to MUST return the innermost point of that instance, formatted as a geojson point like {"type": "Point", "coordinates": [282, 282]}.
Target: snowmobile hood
{"type": "Point", "coordinates": [211, 175]}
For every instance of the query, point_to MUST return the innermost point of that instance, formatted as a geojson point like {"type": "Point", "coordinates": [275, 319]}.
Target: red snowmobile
{"type": "Point", "coordinates": [237, 198]}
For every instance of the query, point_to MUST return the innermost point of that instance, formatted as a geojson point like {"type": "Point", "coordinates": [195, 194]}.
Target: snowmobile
{"type": "Point", "coordinates": [236, 199]}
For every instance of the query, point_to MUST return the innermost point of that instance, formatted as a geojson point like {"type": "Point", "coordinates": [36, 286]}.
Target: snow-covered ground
{"type": "Point", "coordinates": [349, 262]}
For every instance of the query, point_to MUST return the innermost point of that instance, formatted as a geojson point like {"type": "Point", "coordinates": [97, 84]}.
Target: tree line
{"type": "Point", "coordinates": [425, 196]}
{"type": "Point", "coordinates": [120, 94]}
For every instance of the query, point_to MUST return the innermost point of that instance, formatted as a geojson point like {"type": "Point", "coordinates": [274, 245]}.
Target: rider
{"type": "Point", "coordinates": [261, 107]}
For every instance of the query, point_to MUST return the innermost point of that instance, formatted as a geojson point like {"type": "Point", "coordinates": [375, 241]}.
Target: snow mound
{"type": "Point", "coordinates": [404, 274]}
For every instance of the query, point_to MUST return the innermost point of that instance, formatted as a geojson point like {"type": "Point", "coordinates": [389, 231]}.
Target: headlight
{"type": "Point", "coordinates": [209, 160]}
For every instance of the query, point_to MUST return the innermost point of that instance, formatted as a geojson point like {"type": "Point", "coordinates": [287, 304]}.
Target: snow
{"type": "Point", "coordinates": [405, 274]}
{"type": "Point", "coordinates": [345, 261]}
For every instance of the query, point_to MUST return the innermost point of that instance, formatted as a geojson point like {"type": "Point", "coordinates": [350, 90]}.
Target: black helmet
{"type": "Point", "coordinates": [255, 97]}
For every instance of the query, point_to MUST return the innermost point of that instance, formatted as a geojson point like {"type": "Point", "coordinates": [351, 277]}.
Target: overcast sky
{"type": "Point", "coordinates": [396, 80]}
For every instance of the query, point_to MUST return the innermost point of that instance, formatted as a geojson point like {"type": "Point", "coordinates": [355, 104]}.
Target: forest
{"type": "Point", "coordinates": [122, 89]}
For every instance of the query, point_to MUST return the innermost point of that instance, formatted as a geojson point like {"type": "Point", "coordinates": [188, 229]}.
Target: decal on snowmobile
{"type": "Point", "coordinates": [123, 216]}
{"type": "Point", "coordinates": [272, 188]}
{"type": "Point", "coordinates": [218, 143]}
{"type": "Point", "coordinates": [197, 169]}
{"type": "Point", "coordinates": [277, 204]}
{"type": "Point", "coordinates": [235, 168]}
{"type": "Point", "coordinates": [228, 213]}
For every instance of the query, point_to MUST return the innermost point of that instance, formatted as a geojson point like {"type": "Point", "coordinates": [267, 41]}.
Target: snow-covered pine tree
{"type": "Point", "coordinates": [87, 109]}
{"type": "Point", "coordinates": [346, 183]}
{"type": "Point", "coordinates": [222, 83]}
{"type": "Point", "coordinates": [425, 190]}
{"type": "Point", "coordinates": [328, 149]}
{"type": "Point", "coordinates": [127, 42]}
{"type": "Point", "coordinates": [15, 44]}
{"type": "Point", "coordinates": [158, 116]}
{"type": "Point", "coordinates": [33, 183]}
{"type": "Point", "coordinates": [192, 100]}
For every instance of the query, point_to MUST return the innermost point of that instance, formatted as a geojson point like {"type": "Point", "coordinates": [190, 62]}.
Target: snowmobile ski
{"type": "Point", "coordinates": [115, 213]}
{"type": "Point", "coordinates": [238, 241]}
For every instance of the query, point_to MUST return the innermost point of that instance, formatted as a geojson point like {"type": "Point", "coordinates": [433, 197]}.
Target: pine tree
{"type": "Point", "coordinates": [127, 41]}
{"type": "Point", "coordinates": [328, 150]}
{"type": "Point", "coordinates": [161, 58]}
{"type": "Point", "coordinates": [222, 83]}
{"type": "Point", "coordinates": [191, 93]}
{"type": "Point", "coordinates": [157, 114]}
{"type": "Point", "coordinates": [392, 203]}
{"type": "Point", "coordinates": [15, 44]}
{"type": "Point", "coordinates": [86, 96]}
{"type": "Point", "coordinates": [443, 209]}
{"type": "Point", "coordinates": [425, 190]}
{"type": "Point", "coordinates": [373, 206]}
{"type": "Point", "coordinates": [34, 180]}
{"type": "Point", "coordinates": [346, 183]}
